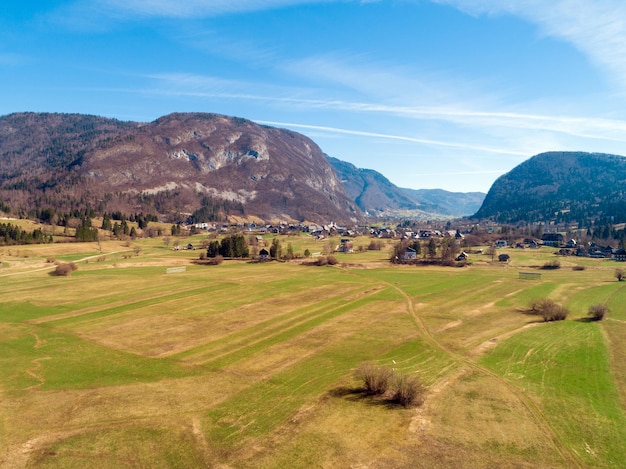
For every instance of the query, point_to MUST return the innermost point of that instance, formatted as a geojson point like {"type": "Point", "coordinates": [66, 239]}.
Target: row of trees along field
{"type": "Point", "coordinates": [13, 234]}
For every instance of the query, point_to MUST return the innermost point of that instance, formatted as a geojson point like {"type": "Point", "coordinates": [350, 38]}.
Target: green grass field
{"type": "Point", "coordinates": [252, 365]}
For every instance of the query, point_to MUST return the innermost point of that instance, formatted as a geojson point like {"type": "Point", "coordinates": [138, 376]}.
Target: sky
{"type": "Point", "coordinates": [446, 94]}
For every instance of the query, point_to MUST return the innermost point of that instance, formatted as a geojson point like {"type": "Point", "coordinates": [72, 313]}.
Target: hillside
{"type": "Point", "coordinates": [172, 166]}
{"type": "Point", "coordinates": [375, 194]}
{"type": "Point", "coordinates": [562, 187]}
{"type": "Point", "coordinates": [456, 204]}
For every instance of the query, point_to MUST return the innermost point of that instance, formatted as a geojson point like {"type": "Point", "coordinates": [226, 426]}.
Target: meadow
{"type": "Point", "coordinates": [251, 365]}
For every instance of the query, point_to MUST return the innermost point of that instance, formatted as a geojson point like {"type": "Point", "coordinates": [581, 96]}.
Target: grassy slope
{"type": "Point", "coordinates": [251, 365]}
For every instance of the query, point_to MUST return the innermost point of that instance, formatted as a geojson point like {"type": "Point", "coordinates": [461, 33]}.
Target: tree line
{"type": "Point", "coordinates": [12, 234]}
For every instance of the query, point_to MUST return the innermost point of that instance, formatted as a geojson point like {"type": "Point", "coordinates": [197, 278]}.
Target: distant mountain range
{"type": "Point", "coordinates": [570, 187]}
{"type": "Point", "coordinates": [202, 166]}
{"type": "Point", "coordinates": [376, 195]}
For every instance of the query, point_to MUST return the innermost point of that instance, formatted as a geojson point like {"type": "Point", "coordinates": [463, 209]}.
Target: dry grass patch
{"type": "Point", "coordinates": [478, 414]}
{"type": "Point", "coordinates": [286, 353]}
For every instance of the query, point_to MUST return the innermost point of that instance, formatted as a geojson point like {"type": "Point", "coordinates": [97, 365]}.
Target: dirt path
{"type": "Point", "coordinates": [537, 414]}
{"type": "Point", "coordinates": [33, 372]}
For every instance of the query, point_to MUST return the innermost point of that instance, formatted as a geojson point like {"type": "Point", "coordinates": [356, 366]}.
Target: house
{"type": "Point", "coordinates": [596, 252]}
{"type": "Point", "coordinates": [504, 258]}
{"type": "Point", "coordinates": [264, 254]}
{"type": "Point", "coordinates": [462, 257]}
{"type": "Point", "coordinates": [552, 239]}
{"type": "Point", "coordinates": [501, 243]}
{"type": "Point", "coordinates": [409, 255]}
{"type": "Point", "coordinates": [620, 255]}
{"type": "Point", "coordinates": [571, 244]}
{"type": "Point", "coordinates": [345, 246]}
{"type": "Point", "coordinates": [581, 252]}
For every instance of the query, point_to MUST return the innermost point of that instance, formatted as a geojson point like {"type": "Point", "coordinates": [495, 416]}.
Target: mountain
{"type": "Point", "coordinates": [456, 204]}
{"type": "Point", "coordinates": [370, 190]}
{"type": "Point", "coordinates": [375, 194]}
{"type": "Point", "coordinates": [208, 164]}
{"type": "Point", "coordinates": [562, 187]}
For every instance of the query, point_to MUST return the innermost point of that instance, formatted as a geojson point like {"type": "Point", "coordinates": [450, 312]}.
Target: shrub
{"type": "Point", "coordinates": [552, 265]}
{"type": "Point", "coordinates": [64, 269]}
{"type": "Point", "coordinates": [537, 304]}
{"type": "Point", "coordinates": [548, 309]}
{"type": "Point", "coordinates": [217, 260]}
{"type": "Point", "coordinates": [598, 311]}
{"type": "Point", "coordinates": [375, 245]}
{"type": "Point", "coordinates": [579, 267]}
{"type": "Point", "coordinates": [332, 260]}
{"type": "Point", "coordinates": [409, 391]}
{"type": "Point", "coordinates": [376, 379]}
{"type": "Point", "coordinates": [619, 274]}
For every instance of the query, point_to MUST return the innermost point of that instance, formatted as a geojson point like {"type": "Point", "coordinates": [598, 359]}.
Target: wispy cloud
{"type": "Point", "coordinates": [135, 9]}
{"type": "Point", "coordinates": [372, 78]}
{"type": "Point", "coordinates": [423, 141]}
{"type": "Point", "coordinates": [218, 88]}
{"type": "Point", "coordinates": [597, 28]}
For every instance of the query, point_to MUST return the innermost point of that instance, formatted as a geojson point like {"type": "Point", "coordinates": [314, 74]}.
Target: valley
{"type": "Point", "coordinates": [252, 364]}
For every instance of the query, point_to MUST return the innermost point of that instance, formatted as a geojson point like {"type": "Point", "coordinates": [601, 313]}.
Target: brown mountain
{"type": "Point", "coordinates": [172, 166]}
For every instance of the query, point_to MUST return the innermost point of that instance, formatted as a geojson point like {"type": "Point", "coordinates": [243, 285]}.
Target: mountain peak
{"type": "Point", "coordinates": [169, 166]}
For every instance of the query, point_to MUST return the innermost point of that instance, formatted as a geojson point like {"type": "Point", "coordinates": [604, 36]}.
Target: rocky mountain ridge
{"type": "Point", "coordinates": [172, 166]}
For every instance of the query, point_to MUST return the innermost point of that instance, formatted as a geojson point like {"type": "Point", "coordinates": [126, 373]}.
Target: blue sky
{"type": "Point", "coordinates": [432, 93]}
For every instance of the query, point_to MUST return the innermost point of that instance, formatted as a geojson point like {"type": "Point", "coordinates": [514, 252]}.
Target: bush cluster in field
{"type": "Point", "coordinates": [549, 310]}
{"type": "Point", "coordinates": [552, 265]}
{"type": "Point", "coordinates": [64, 269]}
{"type": "Point", "coordinates": [378, 380]}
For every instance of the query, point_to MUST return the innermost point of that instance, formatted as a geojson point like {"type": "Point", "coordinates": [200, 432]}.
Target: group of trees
{"type": "Point", "coordinates": [139, 218]}
{"type": "Point", "coordinates": [12, 234]}
{"type": "Point", "coordinates": [85, 232]}
{"type": "Point", "coordinates": [215, 210]}
{"type": "Point", "coordinates": [447, 248]}
{"type": "Point", "coordinates": [230, 246]}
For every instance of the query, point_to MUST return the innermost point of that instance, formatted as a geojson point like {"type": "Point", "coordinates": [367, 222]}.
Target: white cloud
{"type": "Point", "coordinates": [482, 120]}
{"type": "Point", "coordinates": [423, 141]}
{"type": "Point", "coordinates": [595, 27]}
{"type": "Point", "coordinates": [378, 79]}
